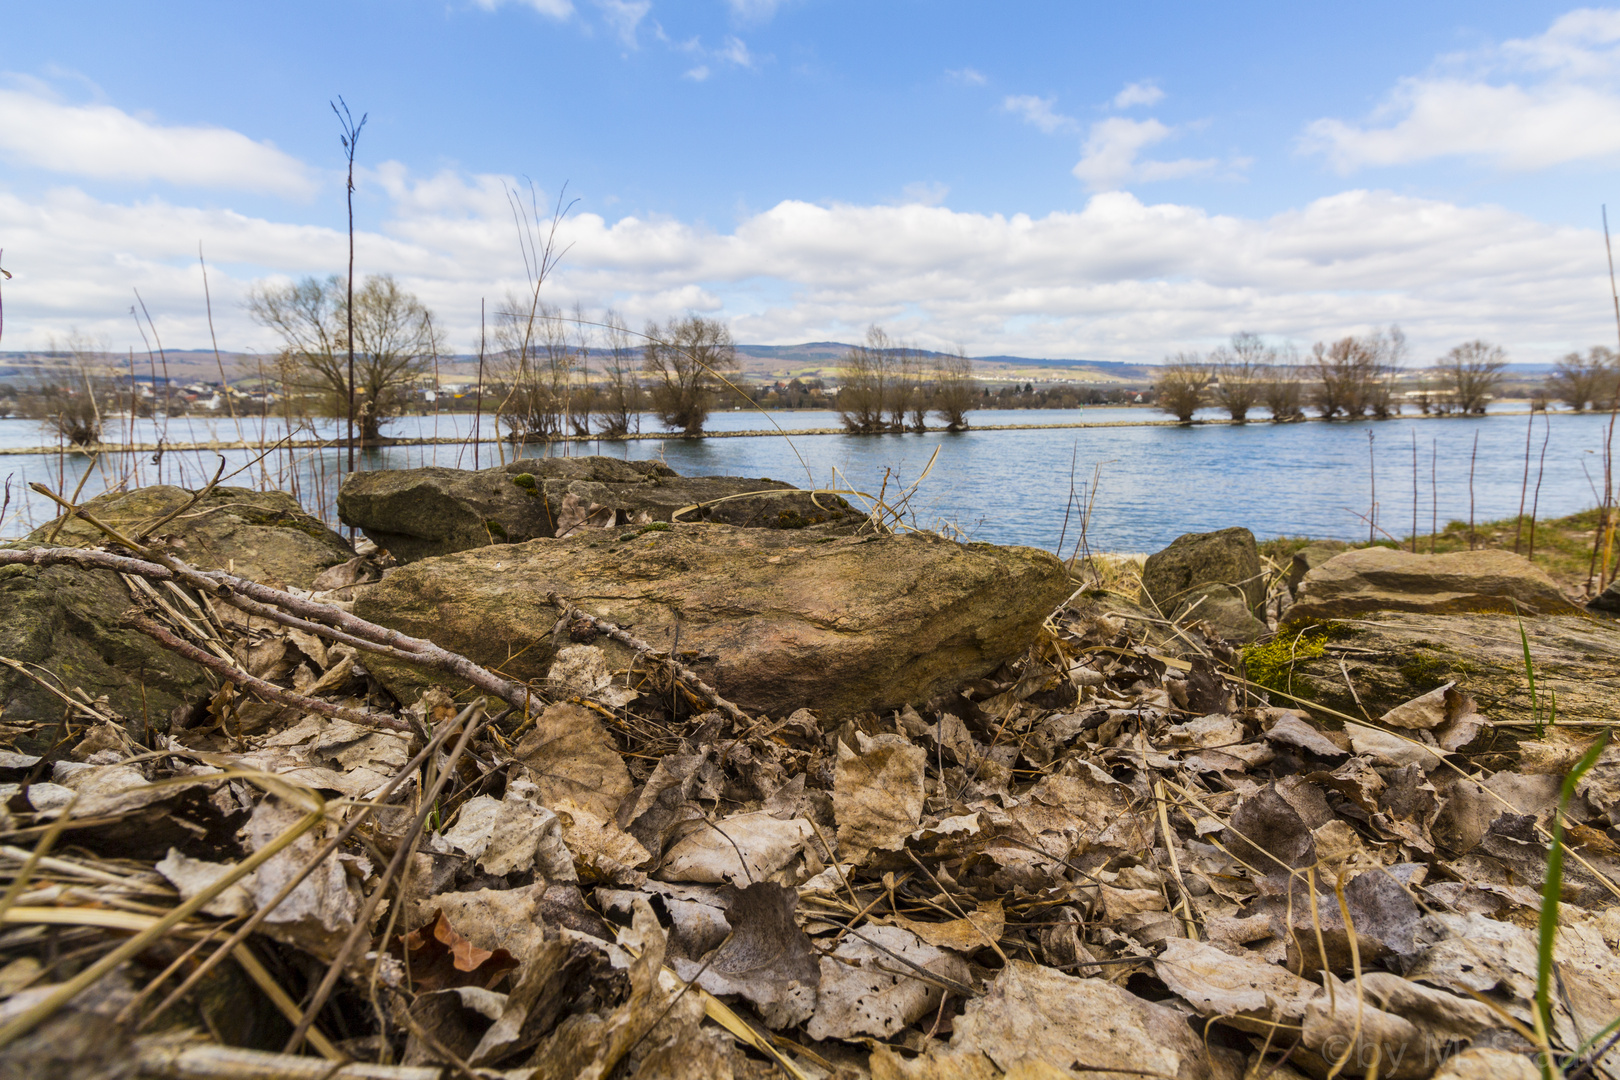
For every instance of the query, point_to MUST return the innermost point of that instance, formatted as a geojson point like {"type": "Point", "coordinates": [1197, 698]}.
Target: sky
{"type": "Point", "coordinates": [1070, 179]}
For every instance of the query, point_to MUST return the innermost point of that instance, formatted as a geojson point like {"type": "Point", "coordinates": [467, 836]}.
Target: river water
{"type": "Point", "coordinates": [1152, 482]}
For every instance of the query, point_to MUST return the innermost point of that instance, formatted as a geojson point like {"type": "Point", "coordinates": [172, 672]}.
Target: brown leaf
{"type": "Point", "coordinates": [574, 762]}
{"type": "Point", "coordinates": [440, 958]}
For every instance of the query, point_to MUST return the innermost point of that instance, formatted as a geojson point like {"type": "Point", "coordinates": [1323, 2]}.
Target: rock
{"type": "Point", "coordinates": [1606, 602]}
{"type": "Point", "coordinates": [419, 513]}
{"type": "Point", "coordinates": [1219, 572]}
{"type": "Point", "coordinates": [773, 619]}
{"type": "Point", "coordinates": [1399, 655]}
{"type": "Point", "coordinates": [1384, 579]}
{"type": "Point", "coordinates": [1309, 557]}
{"type": "Point", "coordinates": [262, 535]}
{"type": "Point", "coordinates": [67, 621]}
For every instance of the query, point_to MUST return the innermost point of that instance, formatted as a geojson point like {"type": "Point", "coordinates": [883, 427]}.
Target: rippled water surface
{"type": "Point", "coordinates": [1154, 482]}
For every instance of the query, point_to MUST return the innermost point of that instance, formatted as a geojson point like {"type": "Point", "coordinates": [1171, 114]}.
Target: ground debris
{"type": "Point", "coordinates": [1111, 857]}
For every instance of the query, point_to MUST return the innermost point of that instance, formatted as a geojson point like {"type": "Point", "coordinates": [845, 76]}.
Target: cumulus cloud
{"type": "Point", "coordinates": [1110, 157]}
{"type": "Point", "coordinates": [556, 9]}
{"type": "Point", "coordinates": [1527, 104]}
{"type": "Point", "coordinates": [1038, 112]}
{"type": "Point", "coordinates": [105, 142]}
{"type": "Point", "coordinates": [1116, 279]}
{"type": "Point", "coordinates": [1138, 93]}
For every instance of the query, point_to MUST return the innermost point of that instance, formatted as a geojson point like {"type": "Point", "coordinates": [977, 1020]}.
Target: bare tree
{"type": "Point", "coordinates": [73, 380]}
{"type": "Point", "coordinates": [1354, 376]}
{"type": "Point", "coordinates": [688, 361]}
{"type": "Point", "coordinates": [393, 343]}
{"type": "Point", "coordinates": [867, 384]}
{"type": "Point", "coordinates": [619, 406]}
{"type": "Point", "coordinates": [1470, 375]}
{"type": "Point", "coordinates": [1281, 392]}
{"type": "Point", "coordinates": [1181, 386]}
{"type": "Point", "coordinates": [919, 394]}
{"type": "Point", "coordinates": [1240, 373]}
{"type": "Point", "coordinates": [1580, 381]}
{"type": "Point", "coordinates": [953, 390]}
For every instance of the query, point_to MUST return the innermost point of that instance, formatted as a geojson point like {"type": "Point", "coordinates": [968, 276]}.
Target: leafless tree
{"type": "Point", "coordinates": [1182, 385]}
{"type": "Point", "coordinates": [1470, 375]}
{"type": "Point", "coordinates": [868, 385]}
{"type": "Point", "coordinates": [687, 361]}
{"type": "Point", "coordinates": [1240, 371]}
{"type": "Point", "coordinates": [394, 342]}
{"type": "Point", "coordinates": [72, 382]}
{"type": "Point", "coordinates": [1580, 381]}
{"type": "Point", "coordinates": [1355, 376]}
{"type": "Point", "coordinates": [1281, 392]}
{"type": "Point", "coordinates": [953, 390]}
{"type": "Point", "coordinates": [619, 405]}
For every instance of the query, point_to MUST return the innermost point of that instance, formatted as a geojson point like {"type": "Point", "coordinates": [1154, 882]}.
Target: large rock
{"type": "Point", "coordinates": [263, 535]}
{"type": "Point", "coordinates": [418, 513]}
{"type": "Point", "coordinates": [1385, 579]}
{"type": "Point", "coordinates": [1309, 557]}
{"type": "Point", "coordinates": [775, 620]}
{"type": "Point", "coordinates": [1397, 656]}
{"type": "Point", "coordinates": [1212, 576]}
{"type": "Point", "coordinates": [1606, 602]}
{"type": "Point", "coordinates": [66, 624]}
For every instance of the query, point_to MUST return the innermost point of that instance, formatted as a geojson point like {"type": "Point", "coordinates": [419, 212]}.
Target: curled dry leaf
{"type": "Point", "coordinates": [738, 850]}
{"type": "Point", "coordinates": [870, 984]}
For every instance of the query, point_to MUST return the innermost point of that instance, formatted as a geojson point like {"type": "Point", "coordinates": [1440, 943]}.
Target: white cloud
{"type": "Point", "coordinates": [967, 76]}
{"type": "Point", "coordinates": [734, 51]}
{"type": "Point", "coordinates": [1110, 156]}
{"type": "Point", "coordinates": [556, 9]}
{"type": "Point", "coordinates": [1138, 93]}
{"type": "Point", "coordinates": [107, 143]}
{"type": "Point", "coordinates": [1527, 104]}
{"type": "Point", "coordinates": [1118, 279]}
{"type": "Point", "coordinates": [1038, 111]}
{"type": "Point", "coordinates": [754, 10]}
{"type": "Point", "coordinates": [697, 74]}
{"type": "Point", "coordinates": [625, 16]}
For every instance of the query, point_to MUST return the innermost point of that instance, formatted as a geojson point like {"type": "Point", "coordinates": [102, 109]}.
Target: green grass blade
{"type": "Point", "coordinates": [1530, 677]}
{"type": "Point", "coordinates": [1552, 890]}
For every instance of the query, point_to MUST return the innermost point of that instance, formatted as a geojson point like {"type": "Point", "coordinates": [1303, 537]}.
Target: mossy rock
{"type": "Point", "coordinates": [263, 535]}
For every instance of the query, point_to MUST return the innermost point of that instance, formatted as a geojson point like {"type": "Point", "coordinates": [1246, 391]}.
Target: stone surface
{"type": "Point", "coordinates": [1309, 557]}
{"type": "Point", "coordinates": [68, 622]}
{"type": "Point", "coordinates": [418, 513]}
{"type": "Point", "coordinates": [1384, 579]}
{"type": "Point", "coordinates": [1399, 655]}
{"type": "Point", "coordinates": [1213, 576]}
{"type": "Point", "coordinates": [774, 619]}
{"type": "Point", "coordinates": [1607, 602]}
{"type": "Point", "coordinates": [263, 535]}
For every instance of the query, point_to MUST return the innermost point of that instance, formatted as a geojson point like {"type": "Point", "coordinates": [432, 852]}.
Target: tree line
{"type": "Point", "coordinates": [887, 386]}
{"type": "Point", "coordinates": [1363, 376]}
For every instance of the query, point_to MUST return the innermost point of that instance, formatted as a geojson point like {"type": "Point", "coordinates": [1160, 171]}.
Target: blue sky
{"type": "Point", "coordinates": [1051, 179]}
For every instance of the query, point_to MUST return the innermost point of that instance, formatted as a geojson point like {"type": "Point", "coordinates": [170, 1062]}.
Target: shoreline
{"type": "Point", "coordinates": [334, 444]}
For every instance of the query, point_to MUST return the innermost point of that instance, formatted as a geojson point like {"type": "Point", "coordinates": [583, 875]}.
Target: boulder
{"type": "Point", "coordinates": [1606, 602]}
{"type": "Point", "coordinates": [1385, 579]}
{"type": "Point", "coordinates": [1309, 557]}
{"type": "Point", "coordinates": [1211, 576]}
{"type": "Point", "coordinates": [775, 620]}
{"type": "Point", "coordinates": [263, 535]}
{"type": "Point", "coordinates": [1397, 656]}
{"type": "Point", "coordinates": [419, 513]}
{"type": "Point", "coordinates": [66, 624]}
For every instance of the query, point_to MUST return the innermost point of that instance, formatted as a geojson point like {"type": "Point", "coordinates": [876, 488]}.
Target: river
{"type": "Point", "coordinates": [1152, 482]}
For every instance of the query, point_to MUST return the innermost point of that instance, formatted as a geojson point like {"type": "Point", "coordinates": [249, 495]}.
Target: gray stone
{"type": "Point", "coordinates": [1309, 557]}
{"type": "Point", "coordinates": [263, 535]}
{"type": "Point", "coordinates": [775, 620]}
{"type": "Point", "coordinates": [418, 513]}
{"type": "Point", "coordinates": [1219, 572]}
{"type": "Point", "coordinates": [1384, 579]}
{"type": "Point", "coordinates": [66, 624]}
{"type": "Point", "coordinates": [1393, 657]}
{"type": "Point", "coordinates": [1606, 602]}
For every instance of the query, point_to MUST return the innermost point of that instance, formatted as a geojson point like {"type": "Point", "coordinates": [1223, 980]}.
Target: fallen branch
{"type": "Point", "coordinates": [201, 1061]}
{"type": "Point", "coordinates": [250, 596]}
{"type": "Point", "coordinates": [681, 672]}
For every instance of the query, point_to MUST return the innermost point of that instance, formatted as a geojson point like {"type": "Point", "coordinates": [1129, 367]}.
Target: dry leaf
{"type": "Point", "coordinates": [877, 795]}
